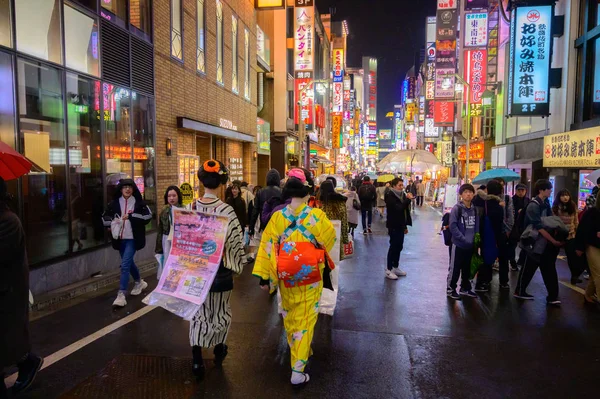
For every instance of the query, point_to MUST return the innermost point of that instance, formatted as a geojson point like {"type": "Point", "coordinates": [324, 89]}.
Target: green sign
{"type": "Point", "coordinates": [187, 192]}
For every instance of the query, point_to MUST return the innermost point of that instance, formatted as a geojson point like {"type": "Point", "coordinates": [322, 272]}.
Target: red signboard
{"type": "Point", "coordinates": [306, 101]}
{"type": "Point", "coordinates": [443, 114]}
{"type": "Point", "coordinates": [475, 75]}
{"type": "Point", "coordinates": [430, 147]}
{"type": "Point", "coordinates": [320, 115]}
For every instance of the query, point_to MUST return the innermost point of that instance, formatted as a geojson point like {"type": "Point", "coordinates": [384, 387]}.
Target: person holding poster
{"type": "Point", "coordinates": [173, 198]}
{"type": "Point", "coordinates": [293, 257]}
{"type": "Point", "coordinates": [210, 325]}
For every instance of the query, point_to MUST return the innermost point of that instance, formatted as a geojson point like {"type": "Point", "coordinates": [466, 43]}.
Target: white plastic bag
{"type": "Point", "coordinates": [329, 297]}
{"type": "Point", "coordinates": [116, 227]}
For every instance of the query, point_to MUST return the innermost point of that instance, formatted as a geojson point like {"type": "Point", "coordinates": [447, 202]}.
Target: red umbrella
{"type": "Point", "coordinates": [12, 164]}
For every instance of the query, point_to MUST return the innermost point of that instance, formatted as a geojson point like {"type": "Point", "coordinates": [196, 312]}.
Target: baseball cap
{"type": "Point", "coordinates": [521, 186]}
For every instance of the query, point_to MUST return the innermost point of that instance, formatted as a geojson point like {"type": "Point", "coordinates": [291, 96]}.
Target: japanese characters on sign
{"type": "Point", "coordinates": [338, 96]}
{"type": "Point", "coordinates": [476, 151]}
{"type": "Point", "coordinates": [430, 129]}
{"type": "Point", "coordinates": [574, 149]}
{"type": "Point", "coordinates": [336, 130]}
{"type": "Point", "coordinates": [475, 75]}
{"type": "Point", "coordinates": [443, 113]}
{"type": "Point", "coordinates": [447, 21]}
{"type": "Point", "coordinates": [447, 4]}
{"type": "Point", "coordinates": [306, 97]}
{"type": "Point", "coordinates": [303, 35]}
{"type": "Point", "coordinates": [338, 65]}
{"type": "Point", "coordinates": [530, 57]}
{"type": "Point", "coordinates": [444, 83]}
{"type": "Point", "coordinates": [446, 152]}
{"type": "Point", "coordinates": [476, 29]}
{"type": "Point", "coordinates": [429, 90]}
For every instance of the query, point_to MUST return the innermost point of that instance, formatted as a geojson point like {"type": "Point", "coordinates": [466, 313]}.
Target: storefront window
{"type": "Point", "coordinates": [5, 25]}
{"type": "Point", "coordinates": [219, 41]}
{"type": "Point", "coordinates": [38, 29]}
{"type": "Point", "coordinates": [117, 11]}
{"type": "Point", "coordinates": [234, 54]}
{"type": "Point", "coordinates": [144, 159]}
{"type": "Point", "coordinates": [117, 135]}
{"type": "Point", "coordinates": [42, 135]}
{"type": "Point", "coordinates": [85, 162]}
{"type": "Point", "coordinates": [140, 16]}
{"type": "Point", "coordinates": [201, 66]}
{"type": "Point", "coordinates": [176, 46]}
{"type": "Point", "coordinates": [81, 42]}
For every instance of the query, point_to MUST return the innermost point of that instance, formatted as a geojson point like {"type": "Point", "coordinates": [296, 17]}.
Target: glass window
{"type": "Point", "coordinates": [85, 162]}
{"type": "Point", "coordinates": [140, 16]}
{"type": "Point", "coordinates": [38, 29]}
{"type": "Point", "coordinates": [7, 112]}
{"type": "Point", "coordinates": [176, 46]}
{"type": "Point", "coordinates": [234, 54]}
{"type": "Point", "coordinates": [42, 135]}
{"type": "Point", "coordinates": [219, 41]}
{"type": "Point", "coordinates": [144, 159]}
{"type": "Point", "coordinates": [200, 63]}
{"type": "Point", "coordinates": [247, 64]}
{"type": "Point", "coordinates": [5, 25]}
{"type": "Point", "coordinates": [117, 135]}
{"type": "Point", "coordinates": [117, 11]}
{"type": "Point", "coordinates": [81, 42]}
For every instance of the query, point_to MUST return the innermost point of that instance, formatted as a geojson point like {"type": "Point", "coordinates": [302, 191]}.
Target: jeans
{"type": "Point", "coordinates": [460, 266]}
{"type": "Point", "coordinates": [396, 246]}
{"type": "Point", "coordinates": [366, 213]}
{"type": "Point", "coordinates": [419, 200]}
{"type": "Point", "coordinates": [547, 265]}
{"type": "Point", "coordinates": [128, 266]}
{"type": "Point", "coordinates": [576, 264]}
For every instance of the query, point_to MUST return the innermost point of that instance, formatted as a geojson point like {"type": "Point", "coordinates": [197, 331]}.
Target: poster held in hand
{"type": "Point", "coordinates": [193, 262]}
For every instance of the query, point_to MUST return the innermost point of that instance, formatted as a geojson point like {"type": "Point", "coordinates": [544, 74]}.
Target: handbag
{"type": "Point", "coordinates": [116, 227]}
{"type": "Point", "coordinates": [349, 248]}
{"type": "Point", "coordinates": [356, 204]}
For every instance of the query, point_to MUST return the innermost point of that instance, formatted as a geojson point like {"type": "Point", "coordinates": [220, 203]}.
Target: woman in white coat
{"type": "Point", "coordinates": [353, 209]}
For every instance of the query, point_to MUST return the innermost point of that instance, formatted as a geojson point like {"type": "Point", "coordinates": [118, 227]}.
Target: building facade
{"type": "Point", "coordinates": [77, 90]}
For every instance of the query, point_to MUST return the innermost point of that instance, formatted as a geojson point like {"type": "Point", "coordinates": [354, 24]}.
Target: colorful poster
{"type": "Point", "coordinates": [476, 29]}
{"type": "Point", "coordinates": [196, 252]}
{"type": "Point", "coordinates": [530, 56]}
{"type": "Point", "coordinates": [444, 83]}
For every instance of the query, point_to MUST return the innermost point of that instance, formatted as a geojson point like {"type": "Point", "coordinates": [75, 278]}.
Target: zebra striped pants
{"type": "Point", "coordinates": [210, 326]}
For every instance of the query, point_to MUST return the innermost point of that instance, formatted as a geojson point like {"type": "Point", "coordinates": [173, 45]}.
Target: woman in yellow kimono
{"type": "Point", "coordinates": [291, 257]}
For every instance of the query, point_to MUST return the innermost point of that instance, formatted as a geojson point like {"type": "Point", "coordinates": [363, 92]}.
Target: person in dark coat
{"type": "Point", "coordinates": [398, 210]}
{"type": "Point", "coordinates": [367, 194]}
{"type": "Point", "coordinates": [238, 204]}
{"type": "Point", "coordinates": [14, 301]}
{"type": "Point", "coordinates": [272, 190]}
{"type": "Point", "coordinates": [130, 206]}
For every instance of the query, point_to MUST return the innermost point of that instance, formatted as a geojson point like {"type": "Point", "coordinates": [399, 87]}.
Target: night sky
{"type": "Point", "coordinates": [390, 30]}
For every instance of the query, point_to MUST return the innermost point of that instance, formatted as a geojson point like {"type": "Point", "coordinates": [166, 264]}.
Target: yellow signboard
{"type": "Point", "coordinates": [187, 193]}
{"type": "Point", "coordinates": [336, 130]}
{"type": "Point", "coordinates": [579, 148]}
{"type": "Point", "coordinates": [268, 4]}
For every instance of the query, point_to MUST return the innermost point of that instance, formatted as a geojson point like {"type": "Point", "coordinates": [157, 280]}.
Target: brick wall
{"type": "Point", "coordinates": [181, 91]}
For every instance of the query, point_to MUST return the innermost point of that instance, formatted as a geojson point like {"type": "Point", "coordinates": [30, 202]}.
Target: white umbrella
{"type": "Point", "coordinates": [405, 161]}
{"type": "Point", "coordinates": [341, 183]}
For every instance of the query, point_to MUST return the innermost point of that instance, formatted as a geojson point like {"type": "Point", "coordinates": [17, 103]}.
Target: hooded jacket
{"type": "Point", "coordinates": [139, 218]}
{"type": "Point", "coordinates": [398, 210]}
{"type": "Point", "coordinates": [464, 224]}
{"type": "Point", "coordinates": [495, 212]}
{"type": "Point", "coordinates": [272, 190]}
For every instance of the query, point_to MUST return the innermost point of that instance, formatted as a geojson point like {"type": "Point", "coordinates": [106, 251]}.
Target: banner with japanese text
{"type": "Point", "coordinates": [475, 75]}
{"type": "Point", "coordinates": [336, 130]}
{"type": "Point", "coordinates": [476, 29]}
{"type": "Point", "coordinates": [580, 148]}
{"type": "Point", "coordinates": [530, 57]}
{"type": "Point", "coordinates": [443, 113]}
{"type": "Point", "coordinates": [304, 31]}
{"type": "Point", "coordinates": [305, 95]}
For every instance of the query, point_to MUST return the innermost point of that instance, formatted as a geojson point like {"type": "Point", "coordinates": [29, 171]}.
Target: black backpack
{"type": "Point", "coordinates": [446, 223]}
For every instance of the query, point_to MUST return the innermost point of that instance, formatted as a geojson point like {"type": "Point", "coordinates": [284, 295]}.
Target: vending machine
{"type": "Point", "coordinates": [585, 188]}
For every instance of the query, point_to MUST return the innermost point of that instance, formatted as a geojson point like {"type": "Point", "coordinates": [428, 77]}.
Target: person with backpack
{"type": "Point", "coordinates": [353, 209]}
{"type": "Point", "coordinates": [520, 202]}
{"type": "Point", "coordinates": [491, 210]}
{"type": "Point", "coordinates": [463, 225]}
{"type": "Point", "coordinates": [271, 190]}
{"type": "Point", "coordinates": [537, 209]}
{"type": "Point", "coordinates": [367, 196]}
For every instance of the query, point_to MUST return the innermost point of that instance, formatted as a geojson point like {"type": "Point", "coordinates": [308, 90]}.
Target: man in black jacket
{"type": "Point", "coordinates": [367, 194]}
{"type": "Point", "coordinates": [398, 211]}
{"type": "Point", "coordinates": [520, 202]}
{"type": "Point", "coordinates": [271, 190]}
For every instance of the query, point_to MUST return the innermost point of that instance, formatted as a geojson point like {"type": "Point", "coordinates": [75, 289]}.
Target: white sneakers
{"type": "Point", "coordinates": [120, 301]}
{"type": "Point", "coordinates": [137, 290]}
{"type": "Point", "coordinates": [139, 287]}
{"type": "Point", "coordinates": [394, 273]}
{"type": "Point", "coordinates": [299, 378]}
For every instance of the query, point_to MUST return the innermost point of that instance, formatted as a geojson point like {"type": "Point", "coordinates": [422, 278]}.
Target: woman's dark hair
{"type": "Point", "coordinates": [294, 188]}
{"type": "Point", "coordinates": [494, 188]}
{"type": "Point", "coordinates": [238, 186]}
{"type": "Point", "coordinates": [256, 189]}
{"type": "Point", "coordinates": [179, 195]}
{"type": "Point", "coordinates": [326, 191]}
{"type": "Point", "coordinates": [212, 174]}
{"type": "Point", "coordinates": [569, 207]}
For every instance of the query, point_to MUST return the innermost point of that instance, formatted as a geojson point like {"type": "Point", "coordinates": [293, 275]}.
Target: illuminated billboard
{"type": "Point", "coordinates": [304, 31]}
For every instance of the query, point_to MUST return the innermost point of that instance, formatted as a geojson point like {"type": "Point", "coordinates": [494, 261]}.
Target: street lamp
{"type": "Point", "coordinates": [301, 126]}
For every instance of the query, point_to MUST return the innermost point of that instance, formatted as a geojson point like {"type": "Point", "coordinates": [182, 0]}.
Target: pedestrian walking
{"type": "Point", "coordinates": [398, 207]}
{"type": "Point", "coordinates": [420, 192]}
{"type": "Point", "coordinates": [248, 197]}
{"type": "Point", "coordinates": [352, 209]}
{"type": "Point", "coordinates": [173, 198]}
{"type": "Point", "coordinates": [334, 206]}
{"type": "Point", "coordinates": [15, 346]}
{"type": "Point", "coordinates": [132, 215]}
{"type": "Point", "coordinates": [565, 208]}
{"type": "Point", "coordinates": [210, 326]}
{"type": "Point", "coordinates": [367, 195]}
{"type": "Point", "coordinates": [508, 224]}
{"type": "Point", "coordinates": [272, 189]}
{"type": "Point", "coordinates": [587, 242]}
{"type": "Point", "coordinates": [292, 258]}
{"type": "Point", "coordinates": [490, 208]}
{"type": "Point", "coordinates": [412, 188]}
{"type": "Point", "coordinates": [520, 202]}
{"type": "Point", "coordinates": [238, 204]}
{"type": "Point", "coordinates": [545, 250]}
{"type": "Point", "coordinates": [381, 190]}
{"type": "Point", "coordinates": [464, 224]}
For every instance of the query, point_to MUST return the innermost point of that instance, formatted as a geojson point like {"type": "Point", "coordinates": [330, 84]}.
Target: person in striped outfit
{"type": "Point", "coordinates": [210, 326]}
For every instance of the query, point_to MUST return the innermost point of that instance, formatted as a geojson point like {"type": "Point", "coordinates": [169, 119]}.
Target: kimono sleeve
{"type": "Point", "coordinates": [234, 249]}
{"type": "Point", "coordinates": [324, 231]}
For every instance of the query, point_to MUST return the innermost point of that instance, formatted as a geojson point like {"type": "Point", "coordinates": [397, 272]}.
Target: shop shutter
{"type": "Point", "coordinates": [142, 66]}
{"type": "Point", "coordinates": [115, 54]}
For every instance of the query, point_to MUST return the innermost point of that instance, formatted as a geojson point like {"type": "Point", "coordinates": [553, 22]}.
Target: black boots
{"type": "Point", "coordinates": [220, 354]}
{"type": "Point", "coordinates": [28, 370]}
{"type": "Point", "coordinates": [197, 363]}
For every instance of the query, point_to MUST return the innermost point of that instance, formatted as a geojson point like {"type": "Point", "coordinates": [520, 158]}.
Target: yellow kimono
{"type": "Point", "coordinates": [300, 303]}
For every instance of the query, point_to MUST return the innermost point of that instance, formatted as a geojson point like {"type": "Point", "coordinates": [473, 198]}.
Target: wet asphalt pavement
{"type": "Point", "coordinates": [387, 339]}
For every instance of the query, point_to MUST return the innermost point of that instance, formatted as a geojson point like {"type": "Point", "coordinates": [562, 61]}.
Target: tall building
{"type": "Point", "coordinates": [369, 66]}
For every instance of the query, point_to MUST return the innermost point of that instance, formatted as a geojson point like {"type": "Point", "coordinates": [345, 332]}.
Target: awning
{"type": "Point", "coordinates": [321, 159]}
{"type": "Point", "coordinates": [318, 146]}
{"type": "Point", "coordinates": [190, 124]}
{"type": "Point", "coordinates": [526, 163]}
